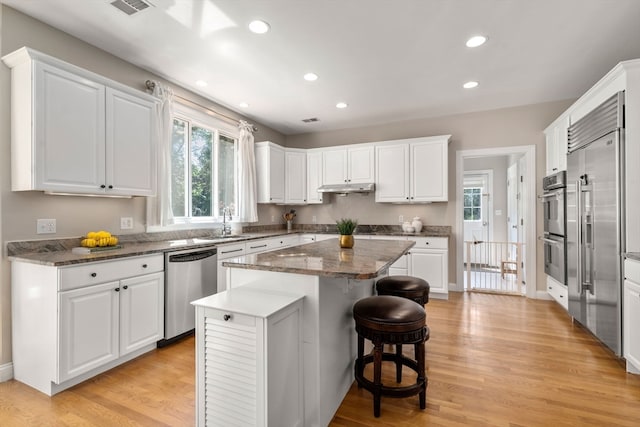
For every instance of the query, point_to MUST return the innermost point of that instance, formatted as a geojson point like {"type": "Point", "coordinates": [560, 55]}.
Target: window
{"type": "Point", "coordinates": [203, 169]}
{"type": "Point", "coordinates": [473, 204]}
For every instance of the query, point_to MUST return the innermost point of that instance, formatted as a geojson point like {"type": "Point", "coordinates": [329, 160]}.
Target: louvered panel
{"type": "Point", "coordinates": [230, 373]}
{"type": "Point", "coordinates": [605, 118]}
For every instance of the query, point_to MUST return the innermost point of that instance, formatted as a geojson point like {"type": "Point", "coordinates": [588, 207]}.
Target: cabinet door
{"type": "Point", "coordinates": [431, 266]}
{"type": "Point", "coordinates": [551, 137]}
{"type": "Point", "coordinates": [334, 166]}
{"type": "Point", "coordinates": [631, 323]}
{"type": "Point", "coordinates": [130, 145]}
{"type": "Point", "coordinates": [69, 132]}
{"type": "Point", "coordinates": [429, 171]}
{"type": "Point", "coordinates": [392, 173]}
{"type": "Point", "coordinates": [360, 165]}
{"type": "Point", "coordinates": [88, 329]}
{"type": "Point", "coordinates": [295, 177]}
{"type": "Point", "coordinates": [141, 311]}
{"type": "Point", "coordinates": [314, 177]}
{"type": "Point", "coordinates": [270, 170]}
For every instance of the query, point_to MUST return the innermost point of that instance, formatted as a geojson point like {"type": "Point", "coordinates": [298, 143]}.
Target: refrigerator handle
{"type": "Point", "coordinates": [579, 234]}
{"type": "Point", "coordinates": [585, 238]}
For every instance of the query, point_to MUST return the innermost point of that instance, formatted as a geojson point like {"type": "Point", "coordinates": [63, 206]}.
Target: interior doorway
{"type": "Point", "coordinates": [503, 223]}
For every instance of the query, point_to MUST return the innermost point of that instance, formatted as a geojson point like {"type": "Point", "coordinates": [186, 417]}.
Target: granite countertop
{"type": "Point", "coordinates": [57, 252]}
{"type": "Point", "coordinates": [325, 258]}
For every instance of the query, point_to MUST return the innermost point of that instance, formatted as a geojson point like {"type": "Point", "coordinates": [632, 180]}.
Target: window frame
{"type": "Point", "coordinates": [472, 207]}
{"type": "Point", "coordinates": [219, 127]}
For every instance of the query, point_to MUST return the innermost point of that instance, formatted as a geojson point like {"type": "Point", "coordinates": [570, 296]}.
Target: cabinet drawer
{"type": "Point", "coordinates": [233, 318]}
{"type": "Point", "coordinates": [100, 272]}
{"type": "Point", "coordinates": [558, 292]}
{"type": "Point", "coordinates": [632, 270]}
{"type": "Point", "coordinates": [430, 242]}
{"type": "Point", "coordinates": [230, 251]}
{"type": "Point", "coordinates": [261, 245]}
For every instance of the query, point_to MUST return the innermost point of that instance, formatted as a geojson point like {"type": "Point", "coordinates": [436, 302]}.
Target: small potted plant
{"type": "Point", "coordinates": [346, 227]}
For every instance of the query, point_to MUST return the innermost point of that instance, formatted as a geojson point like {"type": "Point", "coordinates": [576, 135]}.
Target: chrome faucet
{"type": "Point", "coordinates": [226, 229]}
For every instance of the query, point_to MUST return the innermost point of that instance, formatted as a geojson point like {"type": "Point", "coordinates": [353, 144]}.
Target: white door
{"type": "Point", "coordinates": [513, 217]}
{"type": "Point", "coordinates": [141, 311]}
{"type": "Point", "coordinates": [314, 177]}
{"type": "Point", "coordinates": [477, 199]}
{"type": "Point", "coordinates": [429, 171]}
{"type": "Point", "coordinates": [360, 165]}
{"type": "Point", "coordinates": [69, 131]}
{"type": "Point", "coordinates": [130, 145]}
{"type": "Point", "coordinates": [334, 166]}
{"type": "Point", "coordinates": [295, 185]}
{"type": "Point", "coordinates": [431, 266]}
{"type": "Point", "coordinates": [88, 328]}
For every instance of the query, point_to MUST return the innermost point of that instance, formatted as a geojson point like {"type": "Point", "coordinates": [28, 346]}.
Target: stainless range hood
{"type": "Point", "coordinates": [347, 188]}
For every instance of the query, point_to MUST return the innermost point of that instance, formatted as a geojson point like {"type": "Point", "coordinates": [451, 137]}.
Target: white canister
{"type": "Point", "coordinates": [405, 226]}
{"type": "Point", "coordinates": [416, 224]}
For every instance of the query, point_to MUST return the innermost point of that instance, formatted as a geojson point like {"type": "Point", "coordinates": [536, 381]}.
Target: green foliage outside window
{"type": "Point", "coordinates": [472, 204]}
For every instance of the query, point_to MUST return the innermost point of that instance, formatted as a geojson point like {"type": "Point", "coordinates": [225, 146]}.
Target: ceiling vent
{"type": "Point", "coordinates": [311, 120]}
{"type": "Point", "coordinates": [131, 6]}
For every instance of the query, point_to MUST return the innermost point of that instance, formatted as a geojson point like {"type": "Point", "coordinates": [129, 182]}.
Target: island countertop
{"type": "Point", "coordinates": [366, 260]}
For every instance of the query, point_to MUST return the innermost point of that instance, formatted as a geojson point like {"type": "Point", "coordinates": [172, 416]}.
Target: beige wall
{"type": "Point", "coordinates": [75, 215]}
{"type": "Point", "coordinates": [519, 126]}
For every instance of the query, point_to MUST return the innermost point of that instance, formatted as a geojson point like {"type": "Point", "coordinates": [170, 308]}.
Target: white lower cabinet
{"type": "Point", "coordinates": [89, 318]}
{"type": "Point", "coordinates": [558, 292]}
{"type": "Point", "coordinates": [429, 260]}
{"type": "Point", "coordinates": [631, 315]}
{"type": "Point", "coordinates": [249, 358]}
{"type": "Point", "coordinates": [231, 250]}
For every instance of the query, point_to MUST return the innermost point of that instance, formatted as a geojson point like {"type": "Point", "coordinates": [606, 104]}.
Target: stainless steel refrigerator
{"type": "Point", "coordinates": [595, 238]}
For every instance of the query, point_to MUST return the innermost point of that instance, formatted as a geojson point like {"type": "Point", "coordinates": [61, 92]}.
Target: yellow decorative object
{"type": "Point", "coordinates": [99, 238]}
{"type": "Point", "coordinates": [88, 243]}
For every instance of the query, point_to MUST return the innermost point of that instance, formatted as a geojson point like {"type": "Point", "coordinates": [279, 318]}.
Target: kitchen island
{"type": "Point", "coordinates": [331, 280]}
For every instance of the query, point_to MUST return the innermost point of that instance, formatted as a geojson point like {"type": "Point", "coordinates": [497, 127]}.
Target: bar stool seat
{"type": "Point", "coordinates": [413, 288]}
{"type": "Point", "coordinates": [390, 319]}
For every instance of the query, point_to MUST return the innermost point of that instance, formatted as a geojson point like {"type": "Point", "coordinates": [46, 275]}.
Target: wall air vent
{"type": "Point", "coordinates": [131, 6]}
{"type": "Point", "coordinates": [311, 120]}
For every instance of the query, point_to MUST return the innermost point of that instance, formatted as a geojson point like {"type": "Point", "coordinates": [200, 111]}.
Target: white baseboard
{"type": "Point", "coordinates": [6, 372]}
{"type": "Point", "coordinates": [542, 294]}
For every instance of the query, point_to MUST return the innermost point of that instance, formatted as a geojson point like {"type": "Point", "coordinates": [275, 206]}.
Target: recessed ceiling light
{"type": "Point", "coordinates": [342, 105]}
{"type": "Point", "coordinates": [244, 105]}
{"type": "Point", "coordinates": [311, 77]}
{"type": "Point", "coordinates": [259, 27]}
{"type": "Point", "coordinates": [201, 83]}
{"type": "Point", "coordinates": [476, 41]}
{"type": "Point", "coordinates": [470, 85]}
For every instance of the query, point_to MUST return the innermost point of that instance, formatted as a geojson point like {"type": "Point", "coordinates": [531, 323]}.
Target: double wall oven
{"type": "Point", "coordinates": [555, 225]}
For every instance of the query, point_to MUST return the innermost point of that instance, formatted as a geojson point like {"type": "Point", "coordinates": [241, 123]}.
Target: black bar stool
{"type": "Point", "coordinates": [390, 320]}
{"type": "Point", "coordinates": [409, 287]}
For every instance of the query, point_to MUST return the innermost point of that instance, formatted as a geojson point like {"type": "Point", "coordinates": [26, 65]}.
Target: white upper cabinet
{"type": "Point", "coordinates": [412, 170]}
{"type": "Point", "coordinates": [73, 131]}
{"type": "Point", "coordinates": [556, 145]}
{"type": "Point", "coordinates": [314, 176]}
{"type": "Point", "coordinates": [352, 165]}
{"type": "Point", "coordinates": [295, 186]}
{"type": "Point", "coordinates": [270, 172]}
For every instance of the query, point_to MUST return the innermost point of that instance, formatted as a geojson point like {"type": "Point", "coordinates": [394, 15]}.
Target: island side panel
{"type": "Point", "coordinates": [329, 335]}
{"type": "Point", "coordinates": [338, 339]}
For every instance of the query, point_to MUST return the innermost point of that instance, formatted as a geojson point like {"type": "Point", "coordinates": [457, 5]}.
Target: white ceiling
{"type": "Point", "coordinates": [389, 60]}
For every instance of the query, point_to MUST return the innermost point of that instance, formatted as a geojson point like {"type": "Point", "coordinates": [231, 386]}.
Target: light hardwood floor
{"type": "Point", "coordinates": [491, 360]}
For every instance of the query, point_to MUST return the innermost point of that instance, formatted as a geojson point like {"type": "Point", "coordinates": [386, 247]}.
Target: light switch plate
{"type": "Point", "coordinates": [46, 226]}
{"type": "Point", "coordinates": [126, 223]}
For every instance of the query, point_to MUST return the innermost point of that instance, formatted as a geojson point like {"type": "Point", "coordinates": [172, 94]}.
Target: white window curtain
{"type": "Point", "coordinates": [159, 211]}
{"type": "Point", "coordinates": [247, 189]}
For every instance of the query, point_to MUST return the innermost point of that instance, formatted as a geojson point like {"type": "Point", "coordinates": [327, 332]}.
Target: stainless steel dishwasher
{"type": "Point", "coordinates": [189, 275]}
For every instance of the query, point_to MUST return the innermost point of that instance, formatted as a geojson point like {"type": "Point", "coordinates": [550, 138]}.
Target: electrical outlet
{"type": "Point", "coordinates": [314, 219]}
{"type": "Point", "coordinates": [273, 218]}
{"type": "Point", "coordinates": [401, 218]}
{"type": "Point", "coordinates": [46, 226]}
{"type": "Point", "coordinates": [126, 223]}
